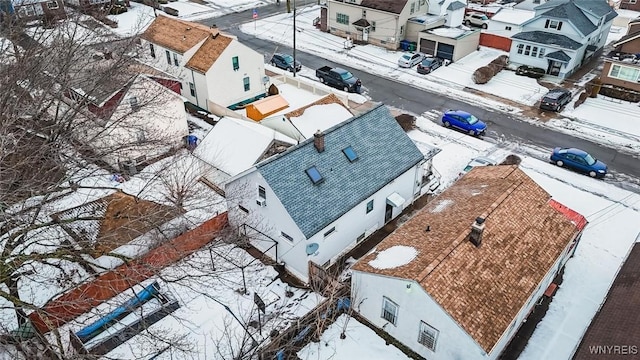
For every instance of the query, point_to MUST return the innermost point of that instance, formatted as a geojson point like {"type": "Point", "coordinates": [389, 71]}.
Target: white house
{"type": "Point", "coordinates": [379, 22]}
{"type": "Point", "coordinates": [562, 36]}
{"type": "Point", "coordinates": [508, 21]}
{"type": "Point", "coordinates": [141, 121]}
{"type": "Point", "coordinates": [458, 279]}
{"type": "Point", "coordinates": [235, 145]}
{"type": "Point", "coordinates": [215, 69]}
{"type": "Point", "coordinates": [308, 205]}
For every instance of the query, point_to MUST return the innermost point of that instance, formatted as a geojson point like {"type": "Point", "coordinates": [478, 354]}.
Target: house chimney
{"type": "Point", "coordinates": [477, 228]}
{"type": "Point", "coordinates": [318, 141]}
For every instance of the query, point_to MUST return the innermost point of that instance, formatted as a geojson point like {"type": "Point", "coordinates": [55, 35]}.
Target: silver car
{"type": "Point", "coordinates": [409, 60]}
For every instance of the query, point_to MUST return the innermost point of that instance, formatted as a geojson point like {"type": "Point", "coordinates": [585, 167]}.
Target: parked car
{"type": "Point", "coordinates": [464, 121]}
{"type": "Point", "coordinates": [477, 19]}
{"type": "Point", "coordinates": [410, 60]}
{"type": "Point", "coordinates": [530, 71]}
{"type": "Point", "coordinates": [578, 160]}
{"type": "Point", "coordinates": [429, 64]}
{"type": "Point", "coordinates": [339, 78]}
{"type": "Point", "coordinates": [555, 99]}
{"type": "Point", "coordinates": [479, 161]}
{"type": "Point", "coordinates": [285, 62]}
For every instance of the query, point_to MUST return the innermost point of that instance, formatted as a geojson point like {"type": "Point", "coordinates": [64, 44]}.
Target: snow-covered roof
{"type": "Point", "coordinates": [320, 117]}
{"type": "Point", "coordinates": [452, 33]}
{"type": "Point", "coordinates": [235, 145]}
{"type": "Point", "coordinates": [513, 16]}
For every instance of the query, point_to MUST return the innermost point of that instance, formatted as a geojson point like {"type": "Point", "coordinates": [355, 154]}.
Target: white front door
{"type": "Point", "coordinates": [365, 34]}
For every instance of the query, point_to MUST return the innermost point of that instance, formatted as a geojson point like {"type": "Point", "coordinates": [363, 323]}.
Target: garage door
{"type": "Point", "coordinates": [427, 46]}
{"type": "Point", "coordinates": [445, 51]}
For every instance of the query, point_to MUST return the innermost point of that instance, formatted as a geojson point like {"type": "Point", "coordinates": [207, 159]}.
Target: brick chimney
{"type": "Point", "coordinates": [477, 228]}
{"type": "Point", "coordinates": [318, 141]}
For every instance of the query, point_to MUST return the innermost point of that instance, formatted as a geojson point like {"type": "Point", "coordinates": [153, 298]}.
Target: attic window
{"type": "Point", "coordinates": [350, 154]}
{"type": "Point", "coordinates": [314, 175]}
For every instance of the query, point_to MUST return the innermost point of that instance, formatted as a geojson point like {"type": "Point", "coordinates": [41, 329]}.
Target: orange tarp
{"type": "Point", "coordinates": [260, 109]}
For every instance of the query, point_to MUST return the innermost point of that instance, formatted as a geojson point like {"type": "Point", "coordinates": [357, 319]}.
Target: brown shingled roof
{"type": "Point", "coordinates": [177, 35]}
{"type": "Point", "coordinates": [482, 288]}
{"type": "Point", "coordinates": [329, 99]}
{"type": "Point", "coordinates": [617, 323]}
{"type": "Point", "coordinates": [392, 6]}
{"type": "Point", "coordinates": [208, 53]}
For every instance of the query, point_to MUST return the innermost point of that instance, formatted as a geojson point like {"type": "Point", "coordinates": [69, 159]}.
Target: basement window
{"type": "Point", "coordinates": [350, 154]}
{"type": "Point", "coordinates": [314, 175]}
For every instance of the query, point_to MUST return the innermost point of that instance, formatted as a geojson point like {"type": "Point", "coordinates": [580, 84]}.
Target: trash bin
{"type": "Point", "coordinates": [404, 45]}
{"type": "Point", "coordinates": [413, 46]}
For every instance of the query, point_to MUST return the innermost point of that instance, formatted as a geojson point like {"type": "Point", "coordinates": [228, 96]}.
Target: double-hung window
{"type": "Point", "coordinates": [175, 59]}
{"type": "Point", "coordinates": [168, 56]}
{"type": "Point", "coordinates": [153, 50]}
{"type": "Point", "coordinates": [389, 311]}
{"type": "Point", "coordinates": [236, 63]}
{"type": "Point", "coordinates": [247, 86]}
{"type": "Point", "coordinates": [428, 336]}
{"type": "Point", "coordinates": [342, 19]}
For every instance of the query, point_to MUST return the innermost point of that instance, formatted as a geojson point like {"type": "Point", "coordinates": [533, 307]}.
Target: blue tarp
{"type": "Point", "coordinates": [97, 327]}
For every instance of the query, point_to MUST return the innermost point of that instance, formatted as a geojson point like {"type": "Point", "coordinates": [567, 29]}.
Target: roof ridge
{"type": "Point", "coordinates": [463, 235]}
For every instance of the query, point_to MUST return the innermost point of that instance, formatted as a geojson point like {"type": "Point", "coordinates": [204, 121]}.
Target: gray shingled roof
{"type": "Point", "coordinates": [599, 8]}
{"type": "Point", "coordinates": [559, 55]}
{"type": "Point", "coordinates": [392, 6]}
{"type": "Point", "coordinates": [384, 152]}
{"type": "Point", "coordinates": [570, 12]}
{"type": "Point", "coordinates": [545, 38]}
{"type": "Point", "coordinates": [456, 5]}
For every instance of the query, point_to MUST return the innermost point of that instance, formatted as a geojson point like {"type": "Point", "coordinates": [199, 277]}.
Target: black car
{"type": "Point", "coordinates": [285, 62]}
{"type": "Point", "coordinates": [429, 64]}
{"type": "Point", "coordinates": [555, 99]}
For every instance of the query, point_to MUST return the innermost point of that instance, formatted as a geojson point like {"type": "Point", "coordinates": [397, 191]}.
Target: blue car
{"type": "Point", "coordinates": [464, 121]}
{"type": "Point", "coordinates": [579, 160]}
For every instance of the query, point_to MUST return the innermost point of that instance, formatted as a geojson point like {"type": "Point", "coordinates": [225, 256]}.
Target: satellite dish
{"type": "Point", "coordinates": [312, 248]}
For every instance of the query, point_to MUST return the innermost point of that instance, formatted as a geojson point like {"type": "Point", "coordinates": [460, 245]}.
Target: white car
{"type": "Point", "coordinates": [477, 19]}
{"type": "Point", "coordinates": [479, 161]}
{"type": "Point", "coordinates": [409, 60]}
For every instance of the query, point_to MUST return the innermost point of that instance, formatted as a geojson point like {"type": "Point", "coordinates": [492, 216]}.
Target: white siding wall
{"type": "Point", "coordinates": [499, 28]}
{"type": "Point", "coordinates": [415, 305]}
{"type": "Point", "coordinates": [225, 86]}
{"type": "Point", "coordinates": [160, 62]}
{"type": "Point", "coordinates": [274, 219]}
{"type": "Point", "coordinates": [357, 222]}
{"type": "Point", "coordinates": [271, 219]}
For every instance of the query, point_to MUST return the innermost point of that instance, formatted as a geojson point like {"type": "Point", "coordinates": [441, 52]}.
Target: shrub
{"type": "Point", "coordinates": [171, 11]}
{"type": "Point", "coordinates": [583, 96]}
{"type": "Point", "coordinates": [406, 121]}
{"type": "Point", "coordinates": [482, 75]}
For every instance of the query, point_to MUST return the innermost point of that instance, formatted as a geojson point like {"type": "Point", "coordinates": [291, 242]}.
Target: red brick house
{"type": "Point", "coordinates": [28, 10]}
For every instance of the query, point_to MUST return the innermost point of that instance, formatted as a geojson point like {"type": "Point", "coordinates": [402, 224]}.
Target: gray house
{"type": "Point", "coordinates": [563, 35]}
{"type": "Point", "coordinates": [306, 207]}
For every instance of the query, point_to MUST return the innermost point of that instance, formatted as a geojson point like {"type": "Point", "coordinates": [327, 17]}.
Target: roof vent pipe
{"type": "Point", "coordinates": [477, 229]}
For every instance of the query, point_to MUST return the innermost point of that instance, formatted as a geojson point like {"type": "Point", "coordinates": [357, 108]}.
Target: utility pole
{"type": "Point", "coordinates": [294, 38]}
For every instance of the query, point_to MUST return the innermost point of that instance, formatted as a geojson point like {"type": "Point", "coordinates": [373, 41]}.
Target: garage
{"type": "Point", "coordinates": [445, 51]}
{"type": "Point", "coordinates": [427, 46]}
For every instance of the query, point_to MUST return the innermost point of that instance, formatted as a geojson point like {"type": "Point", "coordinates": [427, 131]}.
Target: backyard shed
{"type": "Point", "coordinates": [260, 109]}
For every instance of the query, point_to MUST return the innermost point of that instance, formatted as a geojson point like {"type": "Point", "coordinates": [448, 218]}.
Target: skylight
{"type": "Point", "coordinates": [314, 175]}
{"type": "Point", "coordinates": [350, 154]}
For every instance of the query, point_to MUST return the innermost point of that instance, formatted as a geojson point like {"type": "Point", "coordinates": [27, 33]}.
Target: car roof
{"type": "Point", "coordinates": [482, 160]}
{"type": "Point", "coordinates": [457, 112]}
{"type": "Point", "coordinates": [428, 59]}
{"type": "Point", "coordinates": [340, 70]}
{"type": "Point", "coordinates": [574, 151]}
{"type": "Point", "coordinates": [556, 92]}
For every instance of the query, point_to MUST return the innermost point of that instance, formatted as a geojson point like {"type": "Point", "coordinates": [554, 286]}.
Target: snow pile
{"type": "Point", "coordinates": [393, 257]}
